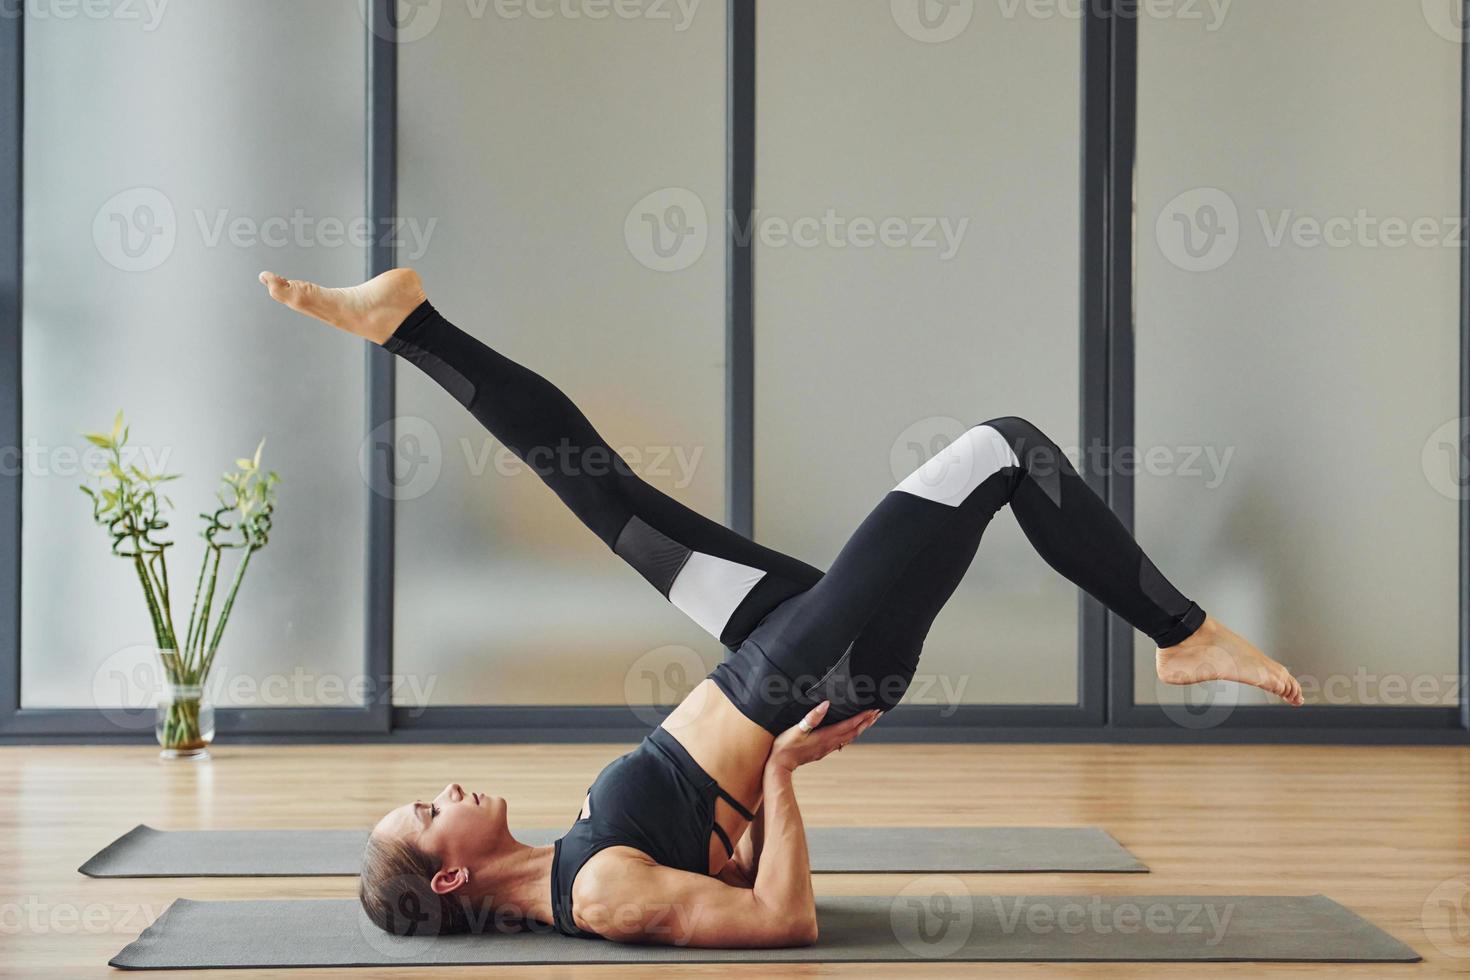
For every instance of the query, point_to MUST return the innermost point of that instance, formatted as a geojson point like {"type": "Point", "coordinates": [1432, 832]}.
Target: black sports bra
{"type": "Point", "coordinates": [656, 799]}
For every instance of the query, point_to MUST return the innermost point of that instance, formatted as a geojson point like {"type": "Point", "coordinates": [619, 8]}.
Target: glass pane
{"type": "Point", "coordinates": [535, 147]}
{"type": "Point", "coordinates": [168, 159]}
{"type": "Point", "coordinates": [1298, 341]}
{"type": "Point", "coordinates": [917, 270]}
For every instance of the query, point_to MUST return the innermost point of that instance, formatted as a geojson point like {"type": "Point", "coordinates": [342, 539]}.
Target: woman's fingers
{"type": "Point", "coordinates": [843, 733]}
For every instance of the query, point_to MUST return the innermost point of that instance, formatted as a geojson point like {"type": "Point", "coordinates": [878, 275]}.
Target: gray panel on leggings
{"type": "Point", "coordinates": [944, 925]}
{"type": "Point", "coordinates": [655, 555]}
{"type": "Point", "coordinates": [147, 853]}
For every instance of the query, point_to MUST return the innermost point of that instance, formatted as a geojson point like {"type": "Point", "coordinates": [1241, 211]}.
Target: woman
{"type": "Point", "coordinates": [694, 837]}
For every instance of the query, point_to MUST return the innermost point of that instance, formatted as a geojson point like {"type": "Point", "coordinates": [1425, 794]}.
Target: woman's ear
{"type": "Point", "coordinates": [447, 881]}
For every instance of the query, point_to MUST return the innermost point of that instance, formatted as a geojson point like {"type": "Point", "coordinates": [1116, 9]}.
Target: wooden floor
{"type": "Point", "coordinates": [1377, 829]}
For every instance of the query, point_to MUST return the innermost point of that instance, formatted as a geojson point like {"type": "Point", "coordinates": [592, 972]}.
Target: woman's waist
{"type": "Point", "coordinates": [715, 742]}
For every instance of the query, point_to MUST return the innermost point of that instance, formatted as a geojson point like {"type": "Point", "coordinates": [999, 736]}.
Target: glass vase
{"type": "Point", "coordinates": [185, 723]}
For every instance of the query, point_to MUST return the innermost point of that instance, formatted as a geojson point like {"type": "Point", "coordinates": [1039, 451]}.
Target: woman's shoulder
{"type": "Point", "coordinates": [603, 880]}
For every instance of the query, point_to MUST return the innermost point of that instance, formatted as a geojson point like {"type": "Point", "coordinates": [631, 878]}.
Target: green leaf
{"type": "Point", "coordinates": [255, 464]}
{"type": "Point", "coordinates": [117, 424]}
{"type": "Point", "coordinates": [98, 440]}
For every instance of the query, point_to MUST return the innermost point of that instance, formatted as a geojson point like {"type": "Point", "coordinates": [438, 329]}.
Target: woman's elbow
{"type": "Point", "coordinates": [803, 932]}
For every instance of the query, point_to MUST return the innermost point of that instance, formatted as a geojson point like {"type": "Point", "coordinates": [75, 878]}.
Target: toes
{"type": "Point", "coordinates": [279, 288]}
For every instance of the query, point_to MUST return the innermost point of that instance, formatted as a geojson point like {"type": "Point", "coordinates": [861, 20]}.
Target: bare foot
{"type": "Point", "coordinates": [372, 310]}
{"type": "Point", "coordinates": [1215, 653]}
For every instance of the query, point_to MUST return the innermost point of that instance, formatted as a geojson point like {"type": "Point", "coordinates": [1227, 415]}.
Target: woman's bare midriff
{"type": "Point", "coordinates": [727, 745]}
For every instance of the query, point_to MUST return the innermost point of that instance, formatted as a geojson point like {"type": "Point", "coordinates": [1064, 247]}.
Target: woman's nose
{"type": "Point", "coordinates": [455, 791]}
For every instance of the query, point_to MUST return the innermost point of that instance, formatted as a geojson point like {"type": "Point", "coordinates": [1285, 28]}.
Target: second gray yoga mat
{"type": "Point", "coordinates": [933, 925]}
{"type": "Point", "coordinates": [147, 853]}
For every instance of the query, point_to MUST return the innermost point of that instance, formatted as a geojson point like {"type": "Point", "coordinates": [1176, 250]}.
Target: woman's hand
{"type": "Point", "coordinates": [804, 742]}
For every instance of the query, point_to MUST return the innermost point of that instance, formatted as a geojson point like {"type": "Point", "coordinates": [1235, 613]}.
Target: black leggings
{"type": "Point", "coordinates": [796, 635]}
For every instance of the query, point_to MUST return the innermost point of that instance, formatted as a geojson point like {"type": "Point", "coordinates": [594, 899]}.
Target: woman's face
{"type": "Point", "coordinates": [457, 827]}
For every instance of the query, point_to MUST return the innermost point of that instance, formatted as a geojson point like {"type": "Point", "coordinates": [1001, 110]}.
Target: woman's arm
{"type": "Point", "coordinates": [647, 902]}
{"type": "Point", "coordinates": [741, 869]}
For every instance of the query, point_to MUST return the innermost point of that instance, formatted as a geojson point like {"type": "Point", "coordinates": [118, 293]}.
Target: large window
{"type": "Point", "coordinates": [916, 260]}
{"type": "Point", "coordinates": [1298, 351]}
{"type": "Point", "coordinates": [167, 161]}
{"type": "Point", "coordinates": [781, 254]}
{"type": "Point", "coordinates": [571, 203]}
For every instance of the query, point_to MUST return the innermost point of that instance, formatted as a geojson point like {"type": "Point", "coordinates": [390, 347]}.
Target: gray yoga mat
{"type": "Point", "coordinates": [147, 853]}
{"type": "Point", "coordinates": [938, 923]}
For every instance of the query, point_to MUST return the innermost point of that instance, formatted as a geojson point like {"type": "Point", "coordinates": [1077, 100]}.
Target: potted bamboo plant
{"type": "Point", "coordinates": [129, 503]}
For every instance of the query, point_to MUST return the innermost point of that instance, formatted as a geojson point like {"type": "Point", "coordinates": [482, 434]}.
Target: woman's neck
{"type": "Point", "coordinates": [519, 883]}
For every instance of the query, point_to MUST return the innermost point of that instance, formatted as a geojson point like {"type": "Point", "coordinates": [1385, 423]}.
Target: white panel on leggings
{"type": "Point", "coordinates": [960, 467]}
{"type": "Point", "coordinates": [707, 589]}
